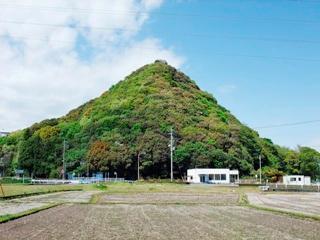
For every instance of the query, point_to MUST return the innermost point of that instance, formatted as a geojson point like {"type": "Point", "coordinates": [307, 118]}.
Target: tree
{"type": "Point", "coordinates": [98, 155]}
{"type": "Point", "coordinates": [309, 162]}
{"type": "Point", "coordinates": [29, 155]}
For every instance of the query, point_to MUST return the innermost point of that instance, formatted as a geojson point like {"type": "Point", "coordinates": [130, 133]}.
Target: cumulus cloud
{"type": "Point", "coordinates": [55, 55]}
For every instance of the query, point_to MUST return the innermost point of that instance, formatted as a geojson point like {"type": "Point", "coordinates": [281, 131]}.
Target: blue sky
{"type": "Point", "coordinates": [259, 58]}
{"type": "Point", "coordinates": [214, 35]}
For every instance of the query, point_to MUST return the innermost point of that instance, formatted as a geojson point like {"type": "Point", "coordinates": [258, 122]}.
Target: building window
{"type": "Point", "coordinates": [191, 177]}
{"type": "Point", "coordinates": [223, 177]}
{"type": "Point", "coordinates": [217, 177]}
{"type": "Point", "coordinates": [211, 177]}
{"type": "Point", "coordinates": [293, 179]}
{"type": "Point", "coordinates": [299, 179]}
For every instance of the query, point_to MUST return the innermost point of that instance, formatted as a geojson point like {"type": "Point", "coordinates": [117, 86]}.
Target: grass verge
{"type": "Point", "coordinates": [10, 217]}
{"type": "Point", "coordinates": [11, 191]}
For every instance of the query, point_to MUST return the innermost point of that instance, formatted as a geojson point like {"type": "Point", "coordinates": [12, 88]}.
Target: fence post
{"type": "Point", "coordinates": [2, 190]}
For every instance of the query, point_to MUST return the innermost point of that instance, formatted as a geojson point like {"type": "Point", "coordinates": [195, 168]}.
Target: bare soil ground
{"type": "Point", "coordinates": [61, 197]}
{"type": "Point", "coordinates": [308, 203]}
{"type": "Point", "coordinates": [23, 204]}
{"type": "Point", "coordinates": [172, 198]}
{"type": "Point", "coordinates": [122, 221]}
{"type": "Point", "coordinates": [13, 208]}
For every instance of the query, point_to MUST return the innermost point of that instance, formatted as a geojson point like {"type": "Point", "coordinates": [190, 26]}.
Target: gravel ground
{"type": "Point", "coordinates": [122, 221]}
{"type": "Point", "coordinates": [165, 198]}
{"type": "Point", "coordinates": [308, 203]}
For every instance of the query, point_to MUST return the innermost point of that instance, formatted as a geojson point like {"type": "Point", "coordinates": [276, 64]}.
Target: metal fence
{"type": "Point", "coordinates": [97, 180]}
{"type": "Point", "coordinates": [76, 180]}
{"type": "Point", "coordinates": [50, 181]}
{"type": "Point", "coordinates": [294, 188]}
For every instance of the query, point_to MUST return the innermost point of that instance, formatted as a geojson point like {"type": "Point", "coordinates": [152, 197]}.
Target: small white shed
{"type": "Point", "coordinates": [296, 180]}
{"type": "Point", "coordinates": [213, 176]}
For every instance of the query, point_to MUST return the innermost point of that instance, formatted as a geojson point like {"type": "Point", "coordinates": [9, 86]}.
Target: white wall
{"type": "Point", "coordinates": [196, 173]}
{"type": "Point", "coordinates": [296, 180]}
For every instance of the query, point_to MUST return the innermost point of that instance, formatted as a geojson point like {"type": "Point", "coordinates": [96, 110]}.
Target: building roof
{"type": "Point", "coordinates": [214, 170]}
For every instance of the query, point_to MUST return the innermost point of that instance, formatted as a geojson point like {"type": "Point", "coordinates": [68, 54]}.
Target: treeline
{"type": "Point", "coordinates": [40, 155]}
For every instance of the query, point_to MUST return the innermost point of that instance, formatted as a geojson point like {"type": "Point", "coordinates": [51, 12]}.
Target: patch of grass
{"type": "Point", "coordinates": [243, 199]}
{"type": "Point", "coordinates": [288, 213]}
{"type": "Point", "coordinates": [10, 180]}
{"type": "Point", "coordinates": [95, 198]}
{"type": "Point", "coordinates": [22, 190]}
{"type": "Point", "coordinates": [10, 217]}
{"type": "Point", "coordinates": [101, 186]}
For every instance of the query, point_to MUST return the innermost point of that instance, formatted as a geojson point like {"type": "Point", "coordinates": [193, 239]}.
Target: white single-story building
{"type": "Point", "coordinates": [296, 180]}
{"type": "Point", "coordinates": [213, 176]}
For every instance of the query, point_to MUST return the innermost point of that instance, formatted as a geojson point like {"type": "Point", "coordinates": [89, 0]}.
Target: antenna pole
{"type": "Point", "coordinates": [63, 158]}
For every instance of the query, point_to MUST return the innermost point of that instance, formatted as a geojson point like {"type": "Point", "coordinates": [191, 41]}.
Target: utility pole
{"type": "Point", "coordinates": [171, 154]}
{"type": "Point", "coordinates": [63, 159]}
{"type": "Point", "coordinates": [260, 168]}
{"type": "Point", "coordinates": [138, 166]}
{"type": "Point", "coordinates": [88, 169]}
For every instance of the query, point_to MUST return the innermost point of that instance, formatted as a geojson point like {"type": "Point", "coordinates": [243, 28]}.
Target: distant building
{"type": "Point", "coordinates": [213, 176]}
{"type": "Point", "coordinates": [4, 134]}
{"type": "Point", "coordinates": [296, 180]}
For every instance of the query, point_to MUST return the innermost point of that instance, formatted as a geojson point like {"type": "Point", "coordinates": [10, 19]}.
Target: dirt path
{"type": "Point", "coordinates": [308, 203]}
{"type": "Point", "coordinates": [158, 222]}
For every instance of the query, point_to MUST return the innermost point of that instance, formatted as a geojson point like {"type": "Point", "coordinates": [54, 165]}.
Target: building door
{"type": "Point", "coordinates": [233, 178]}
{"type": "Point", "coordinates": [203, 178]}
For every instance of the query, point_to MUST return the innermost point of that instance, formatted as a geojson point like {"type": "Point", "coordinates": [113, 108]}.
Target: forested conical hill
{"type": "Point", "coordinates": [134, 119]}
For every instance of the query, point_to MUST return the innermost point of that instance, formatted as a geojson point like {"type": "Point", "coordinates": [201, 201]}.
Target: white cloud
{"type": "Point", "coordinates": [46, 69]}
{"type": "Point", "coordinates": [150, 4]}
{"type": "Point", "coordinates": [227, 88]}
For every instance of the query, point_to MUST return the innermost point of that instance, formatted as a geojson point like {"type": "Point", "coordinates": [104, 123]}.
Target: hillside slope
{"type": "Point", "coordinates": [133, 119]}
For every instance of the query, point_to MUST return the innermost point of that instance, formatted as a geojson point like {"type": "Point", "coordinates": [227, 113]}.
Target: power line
{"type": "Point", "coordinates": [288, 124]}
{"type": "Point", "coordinates": [167, 14]}
{"type": "Point", "coordinates": [67, 26]}
{"type": "Point", "coordinates": [211, 53]}
{"type": "Point", "coordinates": [189, 34]}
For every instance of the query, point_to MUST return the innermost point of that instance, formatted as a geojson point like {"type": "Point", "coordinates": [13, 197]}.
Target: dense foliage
{"type": "Point", "coordinates": [133, 119]}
